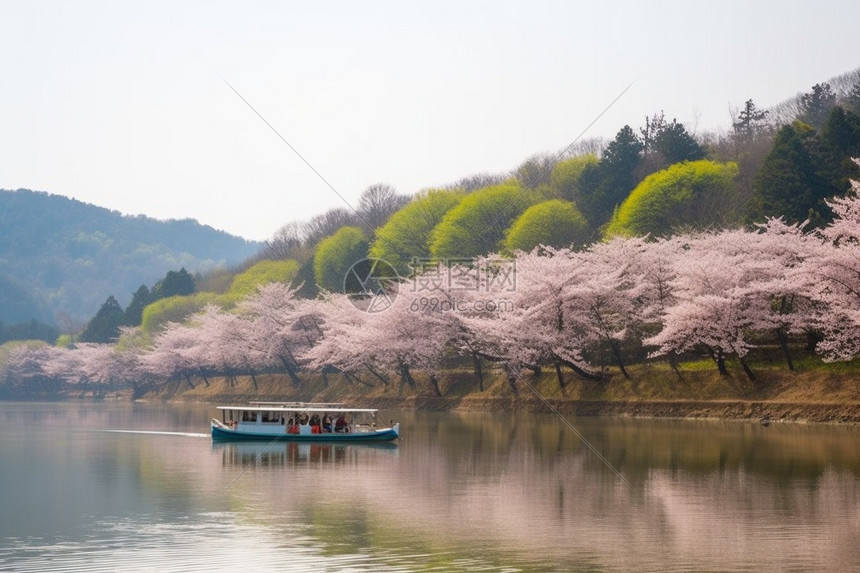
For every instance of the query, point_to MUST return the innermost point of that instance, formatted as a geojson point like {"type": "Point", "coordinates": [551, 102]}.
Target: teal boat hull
{"type": "Point", "coordinates": [384, 435]}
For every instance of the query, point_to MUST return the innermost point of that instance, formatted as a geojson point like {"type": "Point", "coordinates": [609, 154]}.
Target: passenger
{"type": "Point", "coordinates": [326, 424]}
{"type": "Point", "coordinates": [340, 424]}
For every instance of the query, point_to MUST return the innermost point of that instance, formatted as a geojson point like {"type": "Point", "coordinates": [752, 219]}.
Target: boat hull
{"type": "Point", "coordinates": [223, 433]}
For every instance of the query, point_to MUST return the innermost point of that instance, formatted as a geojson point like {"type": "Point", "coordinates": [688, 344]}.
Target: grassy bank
{"type": "Point", "coordinates": [814, 392]}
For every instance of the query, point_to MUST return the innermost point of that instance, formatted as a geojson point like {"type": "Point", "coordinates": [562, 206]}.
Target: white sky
{"type": "Point", "coordinates": [123, 105]}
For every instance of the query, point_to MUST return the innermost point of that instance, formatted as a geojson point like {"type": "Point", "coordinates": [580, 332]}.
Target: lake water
{"type": "Point", "coordinates": [109, 486]}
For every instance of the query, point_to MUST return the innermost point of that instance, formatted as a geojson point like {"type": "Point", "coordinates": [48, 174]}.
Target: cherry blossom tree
{"type": "Point", "coordinates": [282, 326]}
{"type": "Point", "coordinates": [543, 327]}
{"type": "Point", "coordinates": [176, 351]}
{"type": "Point", "coordinates": [340, 345]}
{"type": "Point", "coordinates": [25, 366]}
{"type": "Point", "coordinates": [833, 277]}
{"type": "Point", "coordinates": [725, 288]}
{"type": "Point", "coordinates": [227, 348]}
{"type": "Point", "coordinates": [465, 303]}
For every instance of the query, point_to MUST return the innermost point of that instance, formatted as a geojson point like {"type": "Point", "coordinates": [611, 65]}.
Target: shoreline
{"type": "Point", "coordinates": [752, 410]}
{"type": "Point", "coordinates": [726, 410]}
{"type": "Point", "coordinates": [805, 397]}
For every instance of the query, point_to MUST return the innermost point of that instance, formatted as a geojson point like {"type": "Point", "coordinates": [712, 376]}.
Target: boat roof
{"type": "Point", "coordinates": [329, 407]}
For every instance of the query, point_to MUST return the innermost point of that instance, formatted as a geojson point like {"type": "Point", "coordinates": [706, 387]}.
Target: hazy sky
{"type": "Point", "coordinates": [125, 105]}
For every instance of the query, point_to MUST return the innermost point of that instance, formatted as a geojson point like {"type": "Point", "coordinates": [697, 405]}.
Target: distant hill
{"type": "Point", "coordinates": [60, 255]}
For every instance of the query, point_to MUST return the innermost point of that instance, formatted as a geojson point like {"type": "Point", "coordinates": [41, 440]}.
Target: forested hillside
{"type": "Point", "coordinates": [59, 257]}
{"type": "Point", "coordinates": [659, 243]}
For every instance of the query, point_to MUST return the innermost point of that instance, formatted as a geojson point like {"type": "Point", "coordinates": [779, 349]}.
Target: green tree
{"type": "Point", "coordinates": [815, 105]}
{"type": "Point", "coordinates": [553, 223]}
{"type": "Point", "coordinates": [104, 326]}
{"type": "Point", "coordinates": [174, 309]}
{"type": "Point", "coordinates": [406, 235]}
{"type": "Point", "coordinates": [335, 255]}
{"type": "Point", "coordinates": [790, 183]}
{"type": "Point", "coordinates": [852, 98]}
{"type": "Point", "coordinates": [751, 122]}
{"type": "Point", "coordinates": [689, 194]}
{"type": "Point", "coordinates": [675, 144]}
{"type": "Point", "coordinates": [840, 134]}
{"type": "Point", "coordinates": [617, 176]}
{"type": "Point", "coordinates": [664, 144]}
{"type": "Point", "coordinates": [175, 283]}
{"type": "Point", "coordinates": [840, 142]}
{"type": "Point", "coordinates": [134, 310]}
{"type": "Point", "coordinates": [245, 283]}
{"type": "Point", "coordinates": [477, 225]}
{"type": "Point", "coordinates": [305, 282]}
{"type": "Point", "coordinates": [566, 175]}
{"type": "Point", "coordinates": [602, 187]}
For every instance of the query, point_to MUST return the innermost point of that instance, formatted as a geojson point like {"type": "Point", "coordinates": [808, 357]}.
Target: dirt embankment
{"type": "Point", "coordinates": [777, 396]}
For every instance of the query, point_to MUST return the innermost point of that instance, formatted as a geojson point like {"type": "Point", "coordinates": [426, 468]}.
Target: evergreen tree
{"type": "Point", "coordinates": [134, 310]}
{"type": "Point", "coordinates": [651, 131]}
{"type": "Point", "coordinates": [790, 182]}
{"type": "Point", "coordinates": [815, 105]}
{"type": "Point", "coordinates": [840, 142]}
{"type": "Point", "coordinates": [664, 144]}
{"type": "Point", "coordinates": [175, 283]}
{"type": "Point", "coordinates": [852, 99]}
{"type": "Point", "coordinates": [305, 281]}
{"type": "Point", "coordinates": [675, 144]}
{"type": "Point", "coordinates": [104, 326]}
{"type": "Point", "coordinates": [605, 186]}
{"type": "Point", "coordinates": [751, 122]}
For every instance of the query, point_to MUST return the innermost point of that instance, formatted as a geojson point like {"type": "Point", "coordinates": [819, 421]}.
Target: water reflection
{"type": "Point", "coordinates": [260, 454]}
{"type": "Point", "coordinates": [457, 492]}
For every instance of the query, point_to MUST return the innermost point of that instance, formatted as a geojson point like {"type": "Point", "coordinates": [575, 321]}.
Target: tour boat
{"type": "Point", "coordinates": [301, 422]}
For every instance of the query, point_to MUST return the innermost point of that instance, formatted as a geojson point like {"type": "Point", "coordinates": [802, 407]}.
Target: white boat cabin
{"type": "Point", "coordinates": [301, 418]}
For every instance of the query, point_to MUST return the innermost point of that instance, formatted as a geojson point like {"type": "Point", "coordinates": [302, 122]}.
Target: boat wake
{"type": "Point", "coordinates": [157, 433]}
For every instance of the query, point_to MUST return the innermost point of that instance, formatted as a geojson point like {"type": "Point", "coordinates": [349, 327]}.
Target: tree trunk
{"type": "Point", "coordinates": [616, 352]}
{"type": "Point", "coordinates": [812, 340]}
{"type": "Point", "coordinates": [673, 364]}
{"type": "Point", "coordinates": [434, 382]}
{"type": "Point", "coordinates": [294, 379]}
{"type": "Point", "coordinates": [377, 374]}
{"type": "Point", "coordinates": [596, 376]}
{"type": "Point", "coordinates": [188, 379]}
{"type": "Point", "coordinates": [512, 379]}
{"type": "Point", "coordinates": [254, 380]}
{"type": "Point", "coordinates": [783, 343]}
{"type": "Point", "coordinates": [479, 371]}
{"type": "Point", "coordinates": [747, 370]}
{"type": "Point", "coordinates": [720, 360]}
{"type": "Point", "coordinates": [559, 374]}
{"type": "Point", "coordinates": [354, 378]}
{"type": "Point", "coordinates": [405, 375]}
